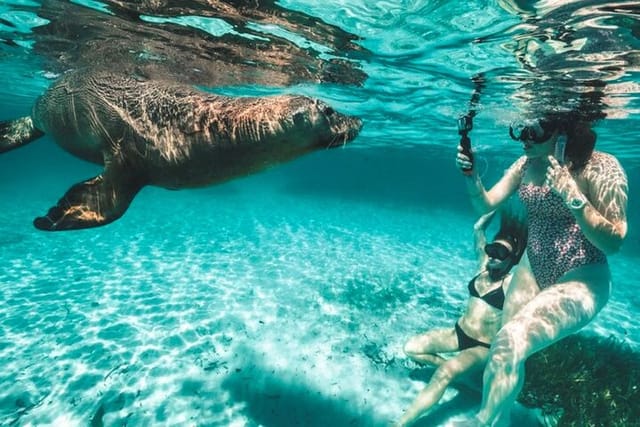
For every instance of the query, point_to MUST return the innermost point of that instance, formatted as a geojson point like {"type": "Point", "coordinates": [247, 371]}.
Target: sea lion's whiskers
{"type": "Point", "coordinates": [335, 140]}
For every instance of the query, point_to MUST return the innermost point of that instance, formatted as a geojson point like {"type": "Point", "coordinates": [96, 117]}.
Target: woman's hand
{"type": "Point", "coordinates": [463, 162]}
{"type": "Point", "coordinates": [560, 180]}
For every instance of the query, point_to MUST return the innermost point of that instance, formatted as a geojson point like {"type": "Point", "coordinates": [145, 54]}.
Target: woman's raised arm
{"type": "Point", "coordinates": [484, 201]}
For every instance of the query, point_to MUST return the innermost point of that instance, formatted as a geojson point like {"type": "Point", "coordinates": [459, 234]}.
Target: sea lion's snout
{"type": "Point", "coordinates": [327, 127]}
{"type": "Point", "coordinates": [344, 128]}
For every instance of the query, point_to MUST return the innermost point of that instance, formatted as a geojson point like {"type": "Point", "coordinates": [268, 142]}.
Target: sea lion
{"type": "Point", "coordinates": [164, 134]}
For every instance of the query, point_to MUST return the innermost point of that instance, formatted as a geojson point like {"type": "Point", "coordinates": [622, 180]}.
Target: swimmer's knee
{"type": "Point", "coordinates": [415, 346]}
{"type": "Point", "coordinates": [411, 348]}
{"type": "Point", "coordinates": [506, 351]}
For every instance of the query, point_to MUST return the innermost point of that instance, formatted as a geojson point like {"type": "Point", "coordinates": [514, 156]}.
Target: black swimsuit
{"type": "Point", "coordinates": [494, 298]}
{"type": "Point", "coordinates": [465, 341]}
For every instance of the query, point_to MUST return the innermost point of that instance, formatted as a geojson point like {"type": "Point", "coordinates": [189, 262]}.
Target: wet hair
{"type": "Point", "coordinates": [513, 228]}
{"type": "Point", "coordinates": [581, 141]}
{"type": "Point", "coordinates": [576, 124]}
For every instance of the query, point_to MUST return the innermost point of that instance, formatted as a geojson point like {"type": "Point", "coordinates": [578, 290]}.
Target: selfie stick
{"type": "Point", "coordinates": [465, 122]}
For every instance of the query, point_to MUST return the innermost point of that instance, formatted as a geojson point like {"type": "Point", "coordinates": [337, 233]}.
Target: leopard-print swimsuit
{"type": "Point", "coordinates": [555, 244]}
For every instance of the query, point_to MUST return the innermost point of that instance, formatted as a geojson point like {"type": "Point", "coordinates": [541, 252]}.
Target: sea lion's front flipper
{"type": "Point", "coordinates": [16, 133]}
{"type": "Point", "coordinates": [92, 203]}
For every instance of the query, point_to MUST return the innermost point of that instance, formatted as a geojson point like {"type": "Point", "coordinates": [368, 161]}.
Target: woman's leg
{"type": "Point", "coordinates": [474, 357]}
{"type": "Point", "coordinates": [423, 348]}
{"type": "Point", "coordinates": [554, 313]}
{"type": "Point", "coordinates": [522, 289]}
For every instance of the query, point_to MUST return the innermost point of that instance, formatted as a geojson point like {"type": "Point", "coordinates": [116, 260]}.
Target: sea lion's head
{"type": "Point", "coordinates": [342, 128]}
{"type": "Point", "coordinates": [316, 122]}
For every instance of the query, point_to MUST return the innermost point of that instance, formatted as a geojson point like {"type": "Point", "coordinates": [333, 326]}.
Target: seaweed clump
{"type": "Point", "coordinates": [585, 380]}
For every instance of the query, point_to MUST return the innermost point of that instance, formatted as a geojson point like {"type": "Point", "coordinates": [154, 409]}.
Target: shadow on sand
{"type": "Point", "coordinates": [279, 398]}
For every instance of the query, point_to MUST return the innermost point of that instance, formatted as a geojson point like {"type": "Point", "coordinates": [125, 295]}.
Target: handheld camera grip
{"type": "Point", "coordinates": [465, 143]}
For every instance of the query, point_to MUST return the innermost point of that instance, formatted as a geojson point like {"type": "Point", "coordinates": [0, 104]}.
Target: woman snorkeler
{"type": "Point", "coordinates": [576, 208]}
{"type": "Point", "coordinates": [475, 329]}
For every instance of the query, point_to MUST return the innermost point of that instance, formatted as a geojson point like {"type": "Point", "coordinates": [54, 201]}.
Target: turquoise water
{"type": "Point", "coordinates": [282, 298]}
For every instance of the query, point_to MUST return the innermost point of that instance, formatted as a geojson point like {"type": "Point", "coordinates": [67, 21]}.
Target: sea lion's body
{"type": "Point", "coordinates": [177, 136]}
{"type": "Point", "coordinates": [168, 135]}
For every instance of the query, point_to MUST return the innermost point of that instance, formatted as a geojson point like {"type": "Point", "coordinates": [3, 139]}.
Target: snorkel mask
{"type": "Point", "coordinates": [501, 257]}
{"type": "Point", "coordinates": [535, 131]}
{"type": "Point", "coordinates": [497, 251]}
